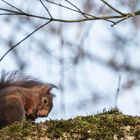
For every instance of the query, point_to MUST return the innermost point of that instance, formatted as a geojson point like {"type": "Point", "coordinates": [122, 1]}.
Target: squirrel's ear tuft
{"type": "Point", "coordinates": [47, 88]}
{"type": "Point", "coordinates": [50, 87]}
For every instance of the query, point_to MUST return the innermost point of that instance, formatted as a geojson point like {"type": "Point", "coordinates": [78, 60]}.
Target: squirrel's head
{"type": "Point", "coordinates": [44, 100]}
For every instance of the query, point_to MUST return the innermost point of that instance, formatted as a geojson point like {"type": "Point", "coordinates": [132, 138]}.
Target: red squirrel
{"type": "Point", "coordinates": [23, 97]}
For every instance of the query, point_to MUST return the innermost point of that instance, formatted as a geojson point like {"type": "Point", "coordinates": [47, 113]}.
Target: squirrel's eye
{"type": "Point", "coordinates": [45, 101]}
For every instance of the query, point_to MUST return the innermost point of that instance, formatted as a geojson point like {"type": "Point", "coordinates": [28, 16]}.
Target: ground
{"type": "Point", "coordinates": [109, 125]}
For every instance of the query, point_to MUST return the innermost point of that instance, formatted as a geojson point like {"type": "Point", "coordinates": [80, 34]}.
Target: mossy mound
{"type": "Point", "coordinates": [109, 125]}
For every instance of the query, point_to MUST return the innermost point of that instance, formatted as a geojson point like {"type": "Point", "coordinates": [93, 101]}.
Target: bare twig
{"type": "Point", "coordinates": [106, 18]}
{"type": "Point", "coordinates": [111, 7]}
{"type": "Point", "coordinates": [115, 23]}
{"type": "Point", "coordinates": [24, 39]}
{"type": "Point", "coordinates": [87, 17]}
{"type": "Point", "coordinates": [46, 9]}
{"type": "Point", "coordinates": [4, 14]}
{"type": "Point", "coordinates": [120, 18]}
{"type": "Point", "coordinates": [13, 6]}
{"type": "Point", "coordinates": [58, 4]}
{"type": "Point", "coordinates": [77, 8]}
{"type": "Point", "coordinates": [7, 10]}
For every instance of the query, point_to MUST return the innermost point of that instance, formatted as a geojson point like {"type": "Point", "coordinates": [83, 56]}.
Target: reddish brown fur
{"type": "Point", "coordinates": [22, 97]}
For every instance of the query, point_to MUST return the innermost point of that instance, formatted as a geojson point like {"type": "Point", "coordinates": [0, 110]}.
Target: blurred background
{"type": "Point", "coordinates": [87, 60]}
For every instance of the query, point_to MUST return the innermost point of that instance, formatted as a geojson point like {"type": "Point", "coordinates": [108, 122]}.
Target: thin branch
{"type": "Point", "coordinates": [62, 20]}
{"type": "Point", "coordinates": [115, 23]}
{"type": "Point", "coordinates": [5, 14]}
{"type": "Point", "coordinates": [34, 16]}
{"type": "Point", "coordinates": [76, 8]}
{"type": "Point", "coordinates": [46, 9]}
{"type": "Point", "coordinates": [12, 6]}
{"type": "Point", "coordinates": [111, 7]}
{"type": "Point", "coordinates": [23, 14]}
{"type": "Point", "coordinates": [24, 39]}
{"type": "Point", "coordinates": [110, 21]}
{"type": "Point", "coordinates": [106, 18]}
{"type": "Point", "coordinates": [2, 9]}
{"type": "Point", "coordinates": [69, 8]}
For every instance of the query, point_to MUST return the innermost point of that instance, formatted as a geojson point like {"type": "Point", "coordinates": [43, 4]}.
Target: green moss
{"type": "Point", "coordinates": [108, 125]}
